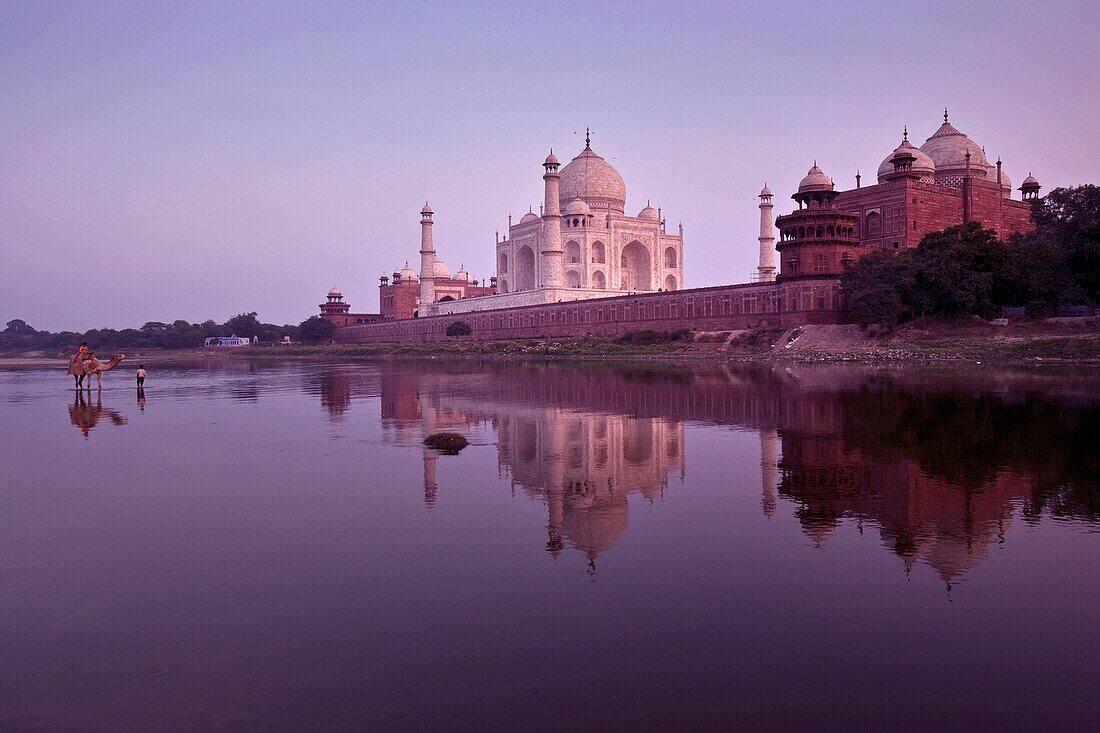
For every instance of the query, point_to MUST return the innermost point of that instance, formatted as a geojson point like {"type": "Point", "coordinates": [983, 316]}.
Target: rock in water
{"type": "Point", "coordinates": [449, 443]}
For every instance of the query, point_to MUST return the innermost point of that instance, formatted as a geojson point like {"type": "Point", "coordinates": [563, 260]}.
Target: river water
{"type": "Point", "coordinates": [269, 546]}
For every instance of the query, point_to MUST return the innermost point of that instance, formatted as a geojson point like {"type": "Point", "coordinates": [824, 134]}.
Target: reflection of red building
{"type": "Point", "coordinates": [920, 518]}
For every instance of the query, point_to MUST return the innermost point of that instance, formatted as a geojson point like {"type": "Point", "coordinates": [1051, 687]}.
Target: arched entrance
{"type": "Point", "coordinates": [599, 280]}
{"type": "Point", "coordinates": [636, 267]}
{"type": "Point", "coordinates": [572, 279]}
{"type": "Point", "coordinates": [525, 269]}
{"type": "Point", "coordinates": [670, 282]}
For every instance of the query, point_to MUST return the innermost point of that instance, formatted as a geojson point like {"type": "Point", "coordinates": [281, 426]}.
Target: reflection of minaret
{"type": "Point", "coordinates": [769, 472]}
{"type": "Point", "coordinates": [430, 485]}
{"type": "Point", "coordinates": [553, 456]}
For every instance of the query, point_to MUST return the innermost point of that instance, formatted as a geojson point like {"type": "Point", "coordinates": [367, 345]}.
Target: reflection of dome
{"type": "Point", "coordinates": [923, 165]}
{"type": "Point", "coordinates": [649, 213]}
{"type": "Point", "coordinates": [593, 179]}
{"type": "Point", "coordinates": [594, 529]}
{"type": "Point", "coordinates": [948, 148]}
{"type": "Point", "coordinates": [577, 207]}
{"type": "Point", "coordinates": [407, 274]}
{"type": "Point", "coordinates": [815, 180]}
{"type": "Point", "coordinates": [529, 216]}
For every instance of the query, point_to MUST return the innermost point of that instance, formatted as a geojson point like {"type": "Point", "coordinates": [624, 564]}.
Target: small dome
{"type": "Point", "coordinates": [407, 274]}
{"type": "Point", "coordinates": [1030, 181]}
{"type": "Point", "coordinates": [1006, 182]}
{"type": "Point", "coordinates": [441, 270]}
{"type": "Point", "coordinates": [427, 209]}
{"type": "Point", "coordinates": [462, 274]}
{"type": "Point", "coordinates": [335, 293]}
{"type": "Point", "coordinates": [550, 159]}
{"type": "Point", "coordinates": [529, 216]}
{"type": "Point", "coordinates": [594, 180]}
{"type": "Point", "coordinates": [815, 180]}
{"type": "Point", "coordinates": [923, 165]}
{"type": "Point", "coordinates": [649, 214]}
{"type": "Point", "coordinates": [577, 207]}
{"type": "Point", "coordinates": [765, 191]}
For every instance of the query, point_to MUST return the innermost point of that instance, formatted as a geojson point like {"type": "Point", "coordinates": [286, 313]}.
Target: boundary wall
{"type": "Point", "coordinates": [783, 304]}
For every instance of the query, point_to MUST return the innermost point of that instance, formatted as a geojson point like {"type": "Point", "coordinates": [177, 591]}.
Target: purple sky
{"type": "Point", "coordinates": [195, 160]}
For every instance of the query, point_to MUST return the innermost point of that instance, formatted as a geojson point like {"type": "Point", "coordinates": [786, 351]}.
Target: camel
{"type": "Point", "coordinates": [81, 368]}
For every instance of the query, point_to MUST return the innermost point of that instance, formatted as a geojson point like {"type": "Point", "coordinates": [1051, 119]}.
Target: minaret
{"type": "Point", "coordinates": [427, 261]}
{"type": "Point", "coordinates": [766, 269]}
{"type": "Point", "coordinates": [550, 256]}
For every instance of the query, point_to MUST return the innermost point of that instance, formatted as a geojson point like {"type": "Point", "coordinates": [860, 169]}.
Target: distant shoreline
{"type": "Point", "coordinates": [1052, 341]}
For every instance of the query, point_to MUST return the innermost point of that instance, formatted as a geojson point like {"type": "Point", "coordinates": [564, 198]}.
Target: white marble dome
{"type": "Point", "coordinates": [948, 148]}
{"type": "Point", "coordinates": [407, 274]}
{"type": "Point", "coordinates": [335, 292]}
{"type": "Point", "coordinates": [593, 180]}
{"type": "Point", "coordinates": [577, 207]}
{"type": "Point", "coordinates": [441, 270]}
{"type": "Point", "coordinates": [462, 274]}
{"type": "Point", "coordinates": [529, 216]}
{"type": "Point", "coordinates": [649, 214]}
{"type": "Point", "coordinates": [923, 165]}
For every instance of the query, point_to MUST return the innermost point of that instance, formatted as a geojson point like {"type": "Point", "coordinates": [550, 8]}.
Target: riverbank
{"type": "Point", "coordinates": [1055, 340]}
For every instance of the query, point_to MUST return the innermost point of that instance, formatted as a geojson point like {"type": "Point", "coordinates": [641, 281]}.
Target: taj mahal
{"type": "Point", "coordinates": [582, 266]}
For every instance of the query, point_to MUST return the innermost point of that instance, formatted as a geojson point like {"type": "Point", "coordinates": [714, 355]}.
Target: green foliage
{"type": "Point", "coordinates": [459, 328]}
{"type": "Point", "coordinates": [965, 270]}
{"type": "Point", "coordinates": [647, 338]}
{"type": "Point", "coordinates": [154, 334]}
{"type": "Point", "coordinates": [316, 330]}
{"type": "Point", "coordinates": [19, 327]}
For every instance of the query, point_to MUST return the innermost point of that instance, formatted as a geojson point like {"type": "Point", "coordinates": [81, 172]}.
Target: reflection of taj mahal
{"type": "Point", "coordinates": [584, 466]}
{"type": "Point", "coordinates": [582, 439]}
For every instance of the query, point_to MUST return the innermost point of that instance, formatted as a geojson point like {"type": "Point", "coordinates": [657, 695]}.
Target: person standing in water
{"type": "Point", "coordinates": [141, 376]}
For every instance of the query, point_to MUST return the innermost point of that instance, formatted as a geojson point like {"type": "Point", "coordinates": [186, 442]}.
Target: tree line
{"type": "Point", "coordinates": [176, 335]}
{"type": "Point", "coordinates": [965, 270]}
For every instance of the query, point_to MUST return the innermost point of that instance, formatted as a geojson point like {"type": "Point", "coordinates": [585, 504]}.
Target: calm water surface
{"type": "Point", "coordinates": [270, 547]}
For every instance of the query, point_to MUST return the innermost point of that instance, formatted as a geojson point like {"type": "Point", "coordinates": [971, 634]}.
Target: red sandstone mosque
{"type": "Point", "coordinates": [582, 266]}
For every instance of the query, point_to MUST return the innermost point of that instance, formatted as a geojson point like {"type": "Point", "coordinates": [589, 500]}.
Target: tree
{"type": "Point", "coordinates": [963, 270]}
{"type": "Point", "coordinates": [1067, 222]}
{"type": "Point", "coordinates": [244, 324]}
{"type": "Point", "coordinates": [316, 330]}
{"type": "Point", "coordinates": [873, 288]}
{"type": "Point", "coordinates": [19, 327]}
{"type": "Point", "coordinates": [458, 328]}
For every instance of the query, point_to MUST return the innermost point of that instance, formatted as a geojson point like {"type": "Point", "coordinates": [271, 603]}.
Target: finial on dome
{"type": "Point", "coordinates": [587, 138]}
{"type": "Point", "coordinates": [905, 134]}
{"type": "Point", "coordinates": [945, 115]}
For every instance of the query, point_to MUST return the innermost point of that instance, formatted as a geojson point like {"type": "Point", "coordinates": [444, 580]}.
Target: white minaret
{"type": "Point", "coordinates": [766, 269]}
{"type": "Point", "coordinates": [427, 261]}
{"type": "Point", "coordinates": [550, 256]}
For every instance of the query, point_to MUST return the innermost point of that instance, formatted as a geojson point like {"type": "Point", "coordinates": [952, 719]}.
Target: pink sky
{"type": "Point", "coordinates": [195, 160]}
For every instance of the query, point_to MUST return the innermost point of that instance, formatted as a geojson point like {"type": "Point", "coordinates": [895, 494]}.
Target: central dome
{"type": "Point", "coordinates": [594, 181]}
{"type": "Point", "coordinates": [948, 148]}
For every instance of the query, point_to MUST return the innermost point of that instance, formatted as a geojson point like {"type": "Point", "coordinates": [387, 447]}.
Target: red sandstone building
{"type": "Point", "coordinates": [945, 182]}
